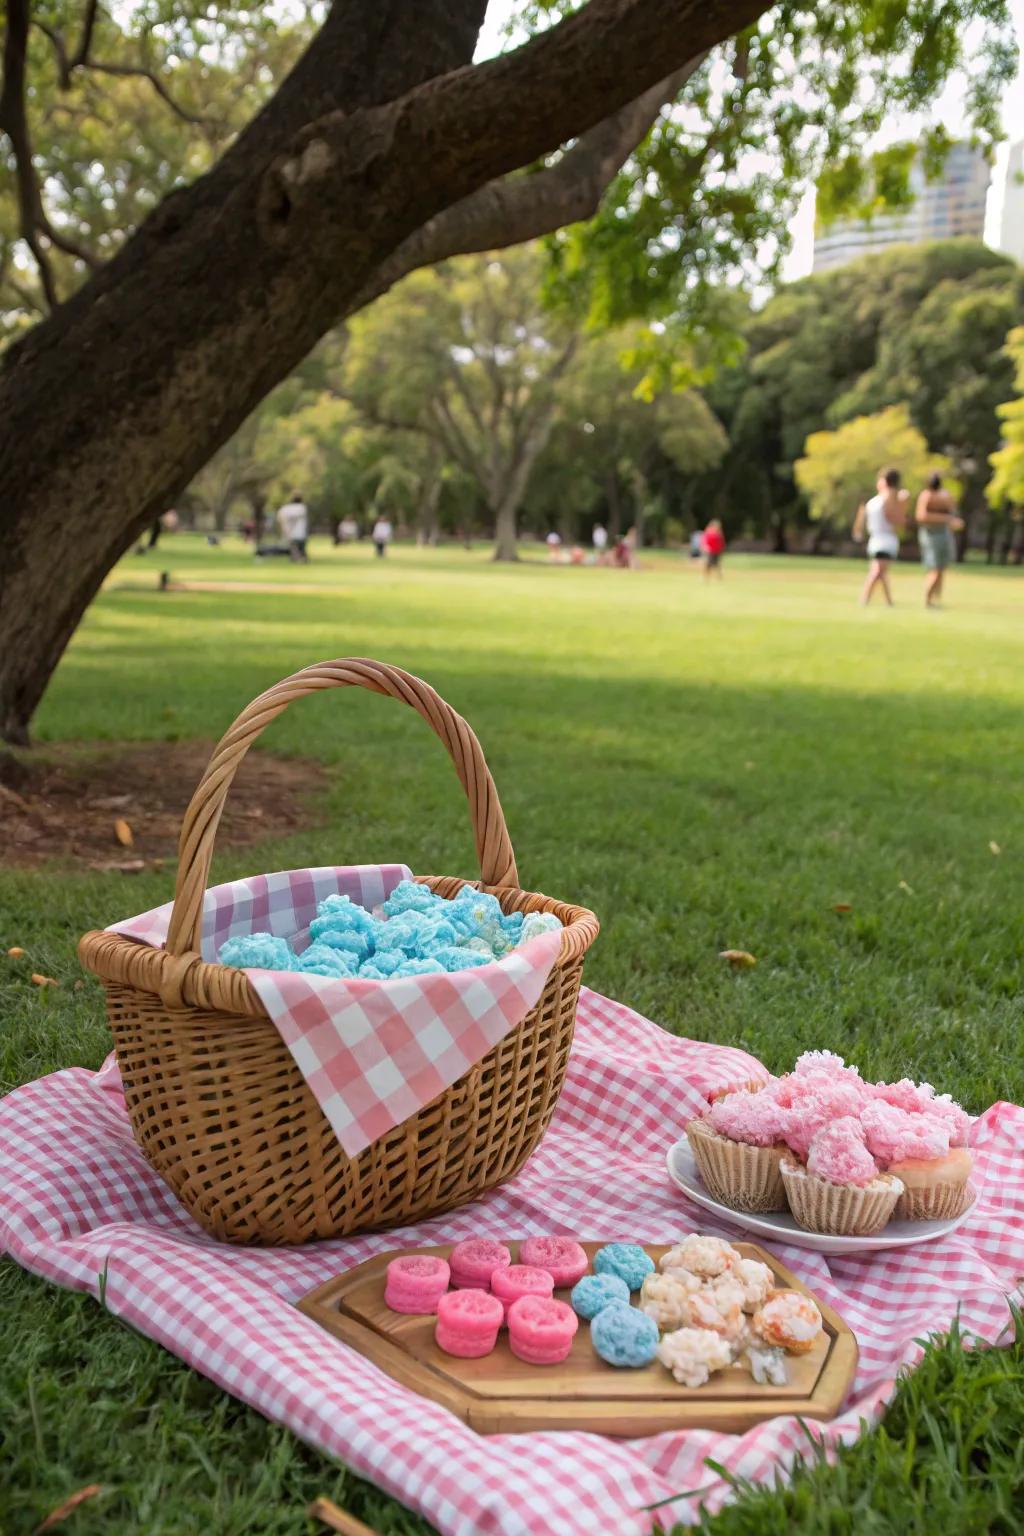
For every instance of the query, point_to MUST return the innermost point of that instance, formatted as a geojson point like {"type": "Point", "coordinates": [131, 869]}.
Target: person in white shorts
{"type": "Point", "coordinates": [883, 518]}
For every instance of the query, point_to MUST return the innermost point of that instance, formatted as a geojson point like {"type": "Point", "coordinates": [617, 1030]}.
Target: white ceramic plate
{"type": "Point", "coordinates": [781, 1228]}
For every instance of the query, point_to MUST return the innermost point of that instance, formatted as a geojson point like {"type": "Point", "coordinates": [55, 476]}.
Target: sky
{"type": "Point", "coordinates": [948, 110]}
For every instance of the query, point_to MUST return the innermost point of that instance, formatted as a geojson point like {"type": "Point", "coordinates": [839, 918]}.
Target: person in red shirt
{"type": "Point", "coordinates": [712, 547]}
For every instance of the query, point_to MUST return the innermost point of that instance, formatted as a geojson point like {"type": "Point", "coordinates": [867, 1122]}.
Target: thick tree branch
{"type": "Point", "coordinates": [522, 207]}
{"type": "Point", "coordinates": [81, 53]}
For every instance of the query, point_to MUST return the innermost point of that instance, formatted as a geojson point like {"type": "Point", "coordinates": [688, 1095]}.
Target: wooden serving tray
{"type": "Point", "coordinates": [502, 1395]}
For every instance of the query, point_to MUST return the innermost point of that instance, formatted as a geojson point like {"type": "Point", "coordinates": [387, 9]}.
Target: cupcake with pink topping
{"type": "Point", "coordinates": [738, 1146]}
{"type": "Point", "coordinates": [840, 1189]}
{"type": "Point", "coordinates": [919, 1150]}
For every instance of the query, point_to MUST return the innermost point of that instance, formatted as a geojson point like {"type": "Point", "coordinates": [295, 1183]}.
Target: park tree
{"type": "Point", "coordinates": [839, 469]}
{"type": "Point", "coordinates": [622, 429]}
{"type": "Point", "coordinates": [385, 149]}
{"type": "Point", "coordinates": [1007, 483]}
{"type": "Point", "coordinates": [466, 356]}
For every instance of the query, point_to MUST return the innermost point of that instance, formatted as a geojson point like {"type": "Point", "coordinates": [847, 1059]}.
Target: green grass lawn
{"type": "Point", "coordinates": [706, 767]}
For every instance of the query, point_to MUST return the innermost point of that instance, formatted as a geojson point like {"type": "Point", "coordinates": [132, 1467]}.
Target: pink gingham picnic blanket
{"type": "Point", "coordinates": [372, 1052]}
{"type": "Point", "coordinates": [77, 1202]}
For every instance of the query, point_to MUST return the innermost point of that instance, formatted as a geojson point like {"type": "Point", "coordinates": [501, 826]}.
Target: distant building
{"type": "Point", "coordinates": [1011, 224]}
{"type": "Point", "coordinates": [952, 205]}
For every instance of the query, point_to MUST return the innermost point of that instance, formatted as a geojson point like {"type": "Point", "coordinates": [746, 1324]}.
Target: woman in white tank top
{"type": "Point", "coordinates": [882, 518]}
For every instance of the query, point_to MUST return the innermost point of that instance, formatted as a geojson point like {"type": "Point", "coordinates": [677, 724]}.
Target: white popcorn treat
{"type": "Point", "coordinates": [756, 1280]}
{"type": "Point", "coordinates": [707, 1257]}
{"type": "Point", "coordinates": [767, 1365]}
{"type": "Point", "coordinates": [691, 1354]}
{"type": "Point", "coordinates": [665, 1298]}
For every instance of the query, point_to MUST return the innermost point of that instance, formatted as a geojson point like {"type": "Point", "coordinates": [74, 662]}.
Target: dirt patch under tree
{"type": "Point", "coordinates": [120, 807]}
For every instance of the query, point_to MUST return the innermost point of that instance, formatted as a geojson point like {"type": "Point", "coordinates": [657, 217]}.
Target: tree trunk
{"type": "Point", "coordinates": [614, 505]}
{"type": "Point", "coordinates": [505, 530]}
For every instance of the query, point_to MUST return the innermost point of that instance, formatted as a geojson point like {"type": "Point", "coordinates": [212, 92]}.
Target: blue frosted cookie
{"type": "Point", "coordinates": [627, 1260]}
{"type": "Point", "coordinates": [623, 1335]}
{"type": "Point", "coordinates": [593, 1293]}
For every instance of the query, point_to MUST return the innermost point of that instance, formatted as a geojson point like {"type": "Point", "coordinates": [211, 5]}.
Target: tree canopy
{"type": "Point", "coordinates": [840, 468]}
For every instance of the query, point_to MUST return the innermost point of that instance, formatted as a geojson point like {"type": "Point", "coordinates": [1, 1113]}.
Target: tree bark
{"type": "Point", "coordinates": [114, 403]}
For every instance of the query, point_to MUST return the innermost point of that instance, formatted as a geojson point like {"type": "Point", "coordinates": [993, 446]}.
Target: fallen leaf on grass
{"type": "Point", "coordinates": [38, 980]}
{"type": "Point", "coordinates": [125, 866]}
{"type": "Point", "coordinates": [995, 848]}
{"type": "Point", "coordinates": [841, 906]}
{"type": "Point", "coordinates": [15, 953]}
{"type": "Point", "coordinates": [68, 1507]}
{"type": "Point", "coordinates": [123, 833]}
{"type": "Point", "coordinates": [78, 986]}
{"type": "Point", "coordinates": [739, 959]}
{"type": "Point", "coordinates": [903, 886]}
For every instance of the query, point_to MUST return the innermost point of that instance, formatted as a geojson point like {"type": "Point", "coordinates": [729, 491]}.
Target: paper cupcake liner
{"type": "Point", "coordinates": [841, 1210]}
{"type": "Point", "coordinates": [936, 1202]}
{"type": "Point", "coordinates": [743, 1177]}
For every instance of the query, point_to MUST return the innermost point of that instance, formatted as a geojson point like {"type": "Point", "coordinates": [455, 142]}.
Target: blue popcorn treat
{"type": "Point", "coordinates": [593, 1293]}
{"type": "Point", "coordinates": [623, 1335]}
{"type": "Point", "coordinates": [407, 896]}
{"type": "Point", "coordinates": [369, 972]}
{"type": "Point", "coordinates": [512, 926]}
{"type": "Point", "coordinates": [479, 906]}
{"type": "Point", "coordinates": [478, 947]}
{"type": "Point", "coordinates": [457, 958]}
{"type": "Point", "coordinates": [349, 941]}
{"type": "Point", "coordinates": [339, 914]}
{"type": "Point", "coordinates": [260, 950]}
{"type": "Point", "coordinates": [429, 967]}
{"type": "Point", "coordinates": [416, 934]}
{"type": "Point", "coordinates": [627, 1260]}
{"type": "Point", "coordinates": [385, 961]}
{"type": "Point", "coordinates": [535, 923]}
{"type": "Point", "coordinates": [322, 960]}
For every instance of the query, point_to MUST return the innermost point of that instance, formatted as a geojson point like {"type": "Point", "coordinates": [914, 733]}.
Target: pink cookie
{"type": "Point", "coordinates": [520, 1280]}
{"type": "Point", "coordinates": [541, 1331]}
{"type": "Point", "coordinates": [474, 1261]}
{"type": "Point", "coordinates": [468, 1323]}
{"type": "Point", "coordinates": [562, 1257]}
{"type": "Point", "coordinates": [415, 1283]}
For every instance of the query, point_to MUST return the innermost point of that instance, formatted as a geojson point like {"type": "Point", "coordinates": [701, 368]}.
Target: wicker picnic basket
{"type": "Point", "coordinates": [217, 1103]}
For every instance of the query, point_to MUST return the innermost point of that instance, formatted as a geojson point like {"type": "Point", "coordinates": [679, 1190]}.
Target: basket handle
{"type": "Point", "coordinates": [199, 828]}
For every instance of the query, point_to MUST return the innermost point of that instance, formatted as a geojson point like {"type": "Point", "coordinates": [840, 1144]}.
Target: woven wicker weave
{"type": "Point", "coordinates": [217, 1103]}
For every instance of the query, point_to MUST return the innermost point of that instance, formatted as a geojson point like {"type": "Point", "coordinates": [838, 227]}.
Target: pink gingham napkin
{"type": "Point", "coordinates": [80, 1205]}
{"type": "Point", "coordinates": [372, 1052]}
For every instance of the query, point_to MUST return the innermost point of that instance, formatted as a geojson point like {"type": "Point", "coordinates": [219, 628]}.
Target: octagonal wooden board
{"type": "Point", "coordinates": [502, 1395]}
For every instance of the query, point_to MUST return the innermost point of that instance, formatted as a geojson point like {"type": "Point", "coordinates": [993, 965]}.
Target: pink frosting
{"type": "Point", "coordinates": [826, 1065]}
{"type": "Point", "coordinates": [956, 1120]}
{"type": "Point", "coordinates": [912, 1097]}
{"type": "Point", "coordinates": [750, 1117]}
{"type": "Point", "coordinates": [806, 1121]}
{"type": "Point", "coordinates": [838, 1153]}
{"type": "Point", "coordinates": [892, 1134]}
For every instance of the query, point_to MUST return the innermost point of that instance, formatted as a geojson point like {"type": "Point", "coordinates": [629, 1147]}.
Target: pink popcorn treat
{"type": "Point", "coordinates": [562, 1257]}
{"type": "Point", "coordinates": [474, 1261]}
{"type": "Point", "coordinates": [826, 1065]}
{"type": "Point", "coordinates": [755, 1118]}
{"type": "Point", "coordinates": [691, 1354]}
{"type": "Point", "coordinates": [415, 1283]}
{"type": "Point", "coordinates": [468, 1323]}
{"type": "Point", "coordinates": [891, 1134]}
{"type": "Point", "coordinates": [706, 1257]}
{"type": "Point", "coordinates": [541, 1331]}
{"type": "Point", "coordinates": [520, 1280]}
{"type": "Point", "coordinates": [838, 1153]}
{"type": "Point", "coordinates": [755, 1280]}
